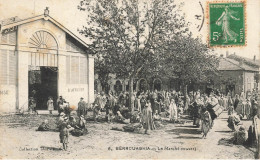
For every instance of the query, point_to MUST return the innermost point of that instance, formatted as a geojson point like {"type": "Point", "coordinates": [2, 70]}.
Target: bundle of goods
{"type": "Point", "coordinates": [214, 110]}
{"type": "Point", "coordinates": [132, 127]}
{"type": "Point", "coordinates": [218, 109]}
{"type": "Point", "coordinates": [135, 117]}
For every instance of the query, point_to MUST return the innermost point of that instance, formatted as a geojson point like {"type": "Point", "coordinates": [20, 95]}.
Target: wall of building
{"type": "Point", "coordinates": [249, 81]}
{"type": "Point", "coordinates": [72, 84]}
{"type": "Point", "coordinates": [8, 67]}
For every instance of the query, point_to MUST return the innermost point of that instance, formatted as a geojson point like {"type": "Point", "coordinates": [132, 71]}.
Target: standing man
{"type": "Point", "coordinates": [59, 104]}
{"type": "Point", "coordinates": [142, 102]}
{"type": "Point", "coordinates": [81, 108]}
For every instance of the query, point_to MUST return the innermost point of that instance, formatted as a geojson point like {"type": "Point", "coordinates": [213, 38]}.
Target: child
{"type": "Point", "coordinates": [64, 133]}
{"type": "Point", "coordinates": [32, 105]}
{"type": "Point", "coordinates": [206, 122]}
{"type": "Point", "coordinates": [50, 105]}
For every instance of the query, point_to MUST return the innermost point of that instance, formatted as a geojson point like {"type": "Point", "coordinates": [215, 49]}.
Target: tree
{"type": "Point", "coordinates": [131, 34]}
{"type": "Point", "coordinates": [102, 70]}
{"type": "Point", "coordinates": [190, 60]}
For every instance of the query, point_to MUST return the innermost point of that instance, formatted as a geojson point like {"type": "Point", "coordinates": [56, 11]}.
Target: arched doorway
{"type": "Point", "coordinates": [43, 68]}
{"type": "Point", "coordinates": [143, 85]}
{"type": "Point", "coordinates": [106, 88]}
{"type": "Point", "coordinates": [157, 84]}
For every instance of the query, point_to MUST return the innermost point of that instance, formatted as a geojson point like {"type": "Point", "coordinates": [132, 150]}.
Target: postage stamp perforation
{"type": "Point", "coordinates": [208, 22]}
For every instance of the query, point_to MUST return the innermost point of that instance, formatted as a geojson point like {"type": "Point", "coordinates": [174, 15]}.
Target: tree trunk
{"type": "Point", "coordinates": [184, 87]}
{"type": "Point", "coordinates": [184, 91]}
{"type": "Point", "coordinates": [131, 92]}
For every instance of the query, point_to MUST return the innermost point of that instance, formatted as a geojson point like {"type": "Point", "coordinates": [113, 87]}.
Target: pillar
{"type": "Point", "coordinates": [91, 79]}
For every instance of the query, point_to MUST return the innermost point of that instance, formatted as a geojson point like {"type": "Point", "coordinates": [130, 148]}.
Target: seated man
{"type": "Point", "coordinates": [156, 116]}
{"type": "Point", "coordinates": [44, 126]}
{"type": "Point", "coordinates": [240, 136]}
{"type": "Point", "coordinates": [233, 122]}
{"type": "Point", "coordinates": [80, 129]}
{"type": "Point", "coordinates": [121, 119]}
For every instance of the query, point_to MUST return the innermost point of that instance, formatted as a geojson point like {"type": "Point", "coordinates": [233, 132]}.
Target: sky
{"type": "Point", "coordinates": [66, 12]}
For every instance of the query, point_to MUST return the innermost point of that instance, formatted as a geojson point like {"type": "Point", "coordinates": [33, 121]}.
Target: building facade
{"type": "Point", "coordinates": [237, 75]}
{"type": "Point", "coordinates": [39, 58]}
{"type": "Point", "coordinates": [117, 85]}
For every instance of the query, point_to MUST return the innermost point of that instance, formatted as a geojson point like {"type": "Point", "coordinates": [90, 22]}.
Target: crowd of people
{"type": "Point", "coordinates": [242, 107]}
{"type": "Point", "coordinates": [156, 105]}
{"type": "Point", "coordinates": [151, 106]}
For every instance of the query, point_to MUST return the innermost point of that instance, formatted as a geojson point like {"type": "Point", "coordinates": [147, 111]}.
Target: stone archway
{"type": "Point", "coordinates": [142, 84]}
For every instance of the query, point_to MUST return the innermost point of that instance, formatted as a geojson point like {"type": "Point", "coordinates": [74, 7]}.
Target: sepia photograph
{"type": "Point", "coordinates": [129, 79]}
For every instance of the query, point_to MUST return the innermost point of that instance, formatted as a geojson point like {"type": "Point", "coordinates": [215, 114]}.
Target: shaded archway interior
{"type": "Point", "coordinates": [43, 68]}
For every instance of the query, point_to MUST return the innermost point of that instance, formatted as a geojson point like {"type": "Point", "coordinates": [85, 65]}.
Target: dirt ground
{"type": "Point", "coordinates": [19, 139]}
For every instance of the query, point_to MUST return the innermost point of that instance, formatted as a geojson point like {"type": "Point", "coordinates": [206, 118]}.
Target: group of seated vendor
{"type": "Point", "coordinates": [77, 127]}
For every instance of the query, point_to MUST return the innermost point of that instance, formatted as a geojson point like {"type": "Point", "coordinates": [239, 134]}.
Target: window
{"type": "Point", "coordinates": [9, 38]}
{"type": "Point", "coordinates": [4, 38]}
{"type": "Point", "coordinates": [83, 70]}
{"type": "Point", "coordinates": [3, 73]}
{"type": "Point", "coordinates": [68, 69]}
{"type": "Point", "coordinates": [76, 70]}
{"type": "Point", "coordinates": [12, 68]}
{"type": "Point", "coordinates": [7, 67]}
{"type": "Point", "coordinates": [248, 84]}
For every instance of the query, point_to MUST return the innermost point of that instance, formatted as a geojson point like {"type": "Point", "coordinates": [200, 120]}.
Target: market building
{"type": "Point", "coordinates": [39, 58]}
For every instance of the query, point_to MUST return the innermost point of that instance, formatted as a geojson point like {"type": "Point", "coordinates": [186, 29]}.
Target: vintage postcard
{"type": "Point", "coordinates": [129, 79]}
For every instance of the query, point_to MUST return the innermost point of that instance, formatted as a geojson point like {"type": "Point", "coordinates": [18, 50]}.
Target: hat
{"type": "Point", "coordinates": [65, 118]}
{"type": "Point", "coordinates": [81, 98]}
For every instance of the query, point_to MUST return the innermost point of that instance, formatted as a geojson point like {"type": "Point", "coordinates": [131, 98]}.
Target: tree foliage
{"type": "Point", "coordinates": [129, 33]}
{"type": "Point", "coordinates": [190, 60]}
{"type": "Point", "coordinates": [132, 37]}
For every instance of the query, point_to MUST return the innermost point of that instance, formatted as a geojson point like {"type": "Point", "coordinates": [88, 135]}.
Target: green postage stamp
{"type": "Point", "coordinates": [227, 24]}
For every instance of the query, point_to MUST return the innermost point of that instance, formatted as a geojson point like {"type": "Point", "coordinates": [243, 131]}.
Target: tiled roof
{"type": "Point", "coordinates": [248, 61]}
{"type": "Point", "coordinates": [228, 64]}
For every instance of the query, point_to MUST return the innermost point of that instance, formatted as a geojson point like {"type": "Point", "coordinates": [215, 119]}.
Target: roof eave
{"type": "Point", "coordinates": [46, 17]}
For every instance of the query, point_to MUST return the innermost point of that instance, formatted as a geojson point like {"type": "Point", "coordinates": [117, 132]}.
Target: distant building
{"type": "Point", "coordinates": [237, 74]}
{"type": "Point", "coordinates": [117, 85]}
{"type": "Point", "coordinates": [39, 58]}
